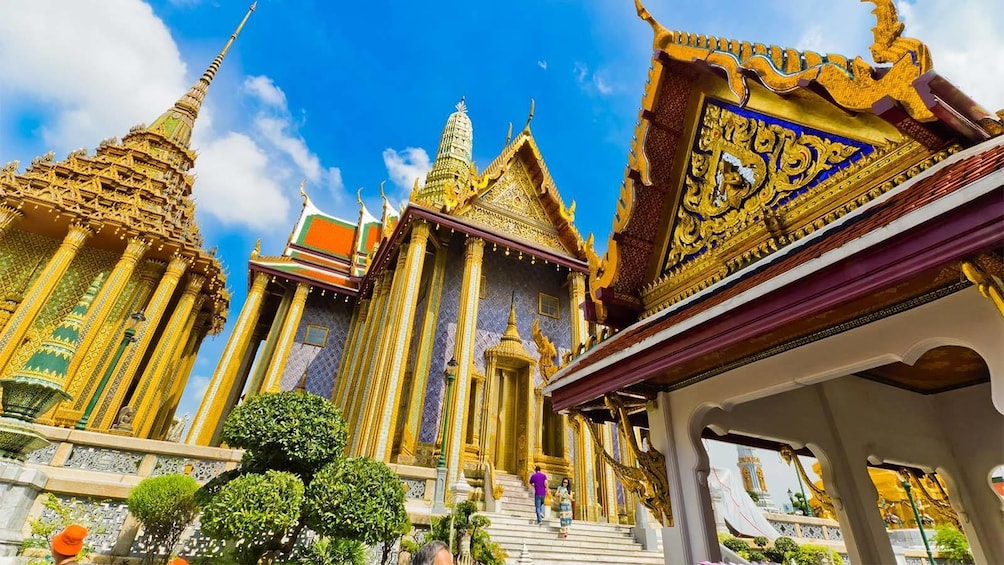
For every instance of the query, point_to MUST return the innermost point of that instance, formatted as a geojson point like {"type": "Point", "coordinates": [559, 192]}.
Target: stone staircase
{"type": "Point", "coordinates": [587, 542]}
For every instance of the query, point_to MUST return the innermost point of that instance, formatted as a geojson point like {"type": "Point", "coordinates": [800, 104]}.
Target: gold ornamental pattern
{"type": "Point", "coordinates": [740, 168]}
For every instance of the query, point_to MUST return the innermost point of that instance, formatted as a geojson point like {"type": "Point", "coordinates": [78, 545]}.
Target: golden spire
{"type": "Point", "coordinates": [452, 166]}
{"type": "Point", "coordinates": [511, 331]}
{"type": "Point", "coordinates": [177, 123]}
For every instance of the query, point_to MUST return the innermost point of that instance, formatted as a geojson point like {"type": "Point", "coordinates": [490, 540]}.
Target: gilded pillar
{"type": "Point", "coordinates": [585, 459]}
{"type": "Point", "coordinates": [273, 376]}
{"type": "Point", "coordinates": [181, 368]}
{"type": "Point", "coordinates": [8, 217]}
{"type": "Point", "coordinates": [154, 382]}
{"type": "Point", "coordinates": [423, 361]}
{"type": "Point", "coordinates": [363, 374]}
{"type": "Point", "coordinates": [400, 339]}
{"type": "Point", "coordinates": [100, 311]}
{"type": "Point", "coordinates": [111, 396]}
{"type": "Point", "coordinates": [35, 297]}
{"type": "Point", "coordinates": [210, 409]}
{"type": "Point", "coordinates": [609, 480]}
{"type": "Point", "coordinates": [350, 354]}
{"type": "Point", "coordinates": [269, 350]}
{"type": "Point", "coordinates": [576, 296]}
{"type": "Point", "coordinates": [464, 352]}
{"type": "Point", "coordinates": [378, 371]}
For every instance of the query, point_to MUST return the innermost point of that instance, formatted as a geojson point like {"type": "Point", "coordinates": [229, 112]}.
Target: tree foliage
{"type": "Point", "coordinates": [952, 545]}
{"type": "Point", "coordinates": [165, 505]}
{"type": "Point", "coordinates": [359, 499]}
{"type": "Point", "coordinates": [293, 476]}
{"type": "Point", "coordinates": [290, 431]}
{"type": "Point", "coordinates": [465, 520]}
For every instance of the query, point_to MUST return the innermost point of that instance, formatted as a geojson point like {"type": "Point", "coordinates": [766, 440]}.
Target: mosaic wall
{"type": "Point", "coordinates": [503, 275]}
{"type": "Point", "coordinates": [321, 363]}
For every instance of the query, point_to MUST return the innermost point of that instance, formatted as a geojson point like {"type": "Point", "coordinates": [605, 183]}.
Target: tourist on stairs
{"type": "Point", "coordinates": [565, 498]}
{"type": "Point", "coordinates": [539, 482]}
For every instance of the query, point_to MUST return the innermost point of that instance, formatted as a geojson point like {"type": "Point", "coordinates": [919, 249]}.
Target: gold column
{"type": "Point", "coordinates": [100, 310]}
{"type": "Point", "coordinates": [378, 371]}
{"type": "Point", "coordinates": [210, 409]}
{"type": "Point", "coordinates": [362, 377]}
{"type": "Point", "coordinates": [155, 310]}
{"type": "Point", "coordinates": [273, 376]}
{"type": "Point", "coordinates": [423, 362]}
{"type": "Point", "coordinates": [36, 296]}
{"type": "Point", "coordinates": [576, 296]}
{"type": "Point", "coordinates": [268, 351]}
{"type": "Point", "coordinates": [400, 339]}
{"type": "Point", "coordinates": [350, 354]}
{"type": "Point", "coordinates": [8, 217]}
{"type": "Point", "coordinates": [175, 379]}
{"type": "Point", "coordinates": [585, 459]}
{"type": "Point", "coordinates": [608, 479]}
{"type": "Point", "coordinates": [183, 368]}
{"type": "Point", "coordinates": [151, 386]}
{"type": "Point", "coordinates": [467, 321]}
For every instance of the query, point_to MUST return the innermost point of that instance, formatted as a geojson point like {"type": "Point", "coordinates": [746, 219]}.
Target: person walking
{"type": "Point", "coordinates": [433, 553]}
{"type": "Point", "coordinates": [539, 482]}
{"type": "Point", "coordinates": [565, 497]}
{"type": "Point", "coordinates": [67, 544]}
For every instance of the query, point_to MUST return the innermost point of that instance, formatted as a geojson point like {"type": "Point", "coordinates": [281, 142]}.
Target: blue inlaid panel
{"type": "Point", "coordinates": [321, 363]}
{"type": "Point", "coordinates": [503, 275]}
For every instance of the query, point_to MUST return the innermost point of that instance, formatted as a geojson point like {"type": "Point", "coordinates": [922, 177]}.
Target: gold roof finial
{"type": "Point", "coordinates": [359, 196]}
{"type": "Point", "coordinates": [508, 135]}
{"type": "Point", "coordinates": [257, 249]}
{"type": "Point", "coordinates": [177, 123]}
{"type": "Point", "coordinates": [382, 195]}
{"type": "Point", "coordinates": [303, 192]}
{"type": "Point", "coordinates": [657, 28]}
{"type": "Point", "coordinates": [462, 105]}
{"type": "Point", "coordinates": [889, 44]}
{"type": "Point", "coordinates": [529, 118]}
{"type": "Point", "coordinates": [511, 331]}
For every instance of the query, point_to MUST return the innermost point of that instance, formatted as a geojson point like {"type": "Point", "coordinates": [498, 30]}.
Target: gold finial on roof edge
{"type": "Point", "coordinates": [382, 195]}
{"type": "Point", "coordinates": [529, 118]}
{"type": "Point", "coordinates": [303, 192]}
{"type": "Point", "coordinates": [508, 136]}
{"type": "Point", "coordinates": [359, 196]}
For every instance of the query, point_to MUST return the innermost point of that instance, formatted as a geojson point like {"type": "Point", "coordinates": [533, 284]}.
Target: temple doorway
{"type": "Point", "coordinates": [512, 391]}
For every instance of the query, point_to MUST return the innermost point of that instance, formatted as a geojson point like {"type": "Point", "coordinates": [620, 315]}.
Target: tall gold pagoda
{"type": "Point", "coordinates": [125, 216]}
{"type": "Point", "coordinates": [480, 270]}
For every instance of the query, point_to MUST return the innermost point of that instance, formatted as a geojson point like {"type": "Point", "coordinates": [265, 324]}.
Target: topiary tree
{"type": "Point", "coordinates": [360, 499]}
{"type": "Point", "coordinates": [761, 541]}
{"type": "Point", "coordinates": [737, 545]}
{"type": "Point", "coordinates": [465, 520]}
{"type": "Point", "coordinates": [165, 505]}
{"type": "Point", "coordinates": [952, 545]}
{"type": "Point", "coordinates": [293, 475]}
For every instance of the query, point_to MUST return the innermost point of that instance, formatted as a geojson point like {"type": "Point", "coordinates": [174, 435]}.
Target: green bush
{"type": "Point", "coordinates": [952, 545]}
{"type": "Point", "coordinates": [761, 541]}
{"type": "Point", "coordinates": [255, 512]}
{"type": "Point", "coordinates": [737, 545]}
{"type": "Point", "coordinates": [785, 544]}
{"type": "Point", "coordinates": [358, 498]}
{"type": "Point", "coordinates": [165, 505]}
{"type": "Point", "coordinates": [290, 431]}
{"type": "Point", "coordinates": [465, 520]}
{"type": "Point", "coordinates": [816, 555]}
{"type": "Point", "coordinates": [756, 556]}
{"type": "Point", "coordinates": [327, 551]}
{"type": "Point", "coordinates": [57, 517]}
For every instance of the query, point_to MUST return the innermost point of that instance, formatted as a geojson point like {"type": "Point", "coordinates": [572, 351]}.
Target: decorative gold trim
{"type": "Point", "coordinates": [985, 273]}
{"type": "Point", "coordinates": [314, 327]}
{"type": "Point", "coordinates": [648, 480]}
{"type": "Point", "coordinates": [789, 456]}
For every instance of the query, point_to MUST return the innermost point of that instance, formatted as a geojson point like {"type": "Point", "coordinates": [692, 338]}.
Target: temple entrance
{"type": "Point", "coordinates": [511, 419]}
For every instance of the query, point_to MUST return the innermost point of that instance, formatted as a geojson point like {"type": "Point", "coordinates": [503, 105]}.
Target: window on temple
{"type": "Point", "coordinates": [316, 335]}
{"type": "Point", "coordinates": [547, 305]}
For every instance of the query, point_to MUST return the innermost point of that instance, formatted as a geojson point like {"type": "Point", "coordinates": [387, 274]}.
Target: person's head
{"type": "Point", "coordinates": [537, 468]}
{"type": "Point", "coordinates": [433, 553]}
{"type": "Point", "coordinates": [567, 483]}
{"type": "Point", "coordinates": [68, 543]}
{"type": "Point", "coordinates": [177, 561]}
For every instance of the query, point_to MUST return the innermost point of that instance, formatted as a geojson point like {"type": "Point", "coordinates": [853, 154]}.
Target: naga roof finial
{"type": "Point", "coordinates": [508, 136]}
{"type": "Point", "coordinates": [359, 196]}
{"type": "Point", "coordinates": [657, 28]}
{"type": "Point", "coordinates": [382, 195]}
{"type": "Point", "coordinates": [257, 249]}
{"type": "Point", "coordinates": [529, 118]}
{"type": "Point", "coordinates": [303, 193]}
{"type": "Point", "coordinates": [889, 44]}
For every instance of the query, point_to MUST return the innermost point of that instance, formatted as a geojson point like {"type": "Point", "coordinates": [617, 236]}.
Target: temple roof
{"type": "Point", "coordinates": [326, 250]}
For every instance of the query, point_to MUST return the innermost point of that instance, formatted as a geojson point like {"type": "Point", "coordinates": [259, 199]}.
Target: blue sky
{"type": "Point", "coordinates": [349, 94]}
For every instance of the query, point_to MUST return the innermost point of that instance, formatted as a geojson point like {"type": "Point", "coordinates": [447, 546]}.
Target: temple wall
{"type": "Point", "coordinates": [503, 275]}
{"type": "Point", "coordinates": [321, 363]}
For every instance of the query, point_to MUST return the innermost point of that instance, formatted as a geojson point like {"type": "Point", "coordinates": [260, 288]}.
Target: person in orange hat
{"type": "Point", "coordinates": [67, 544]}
{"type": "Point", "coordinates": [177, 561]}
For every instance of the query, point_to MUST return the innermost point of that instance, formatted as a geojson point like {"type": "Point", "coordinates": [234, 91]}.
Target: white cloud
{"type": "Point", "coordinates": [101, 67]}
{"type": "Point", "coordinates": [265, 90]}
{"type": "Point", "coordinates": [542, 64]}
{"type": "Point", "coordinates": [965, 41]}
{"type": "Point", "coordinates": [92, 70]}
{"type": "Point", "coordinates": [235, 184]}
{"type": "Point", "coordinates": [591, 82]}
{"type": "Point", "coordinates": [405, 166]}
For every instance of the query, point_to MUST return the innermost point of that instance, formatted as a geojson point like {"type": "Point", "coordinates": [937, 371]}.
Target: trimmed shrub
{"type": "Point", "coordinates": [165, 505]}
